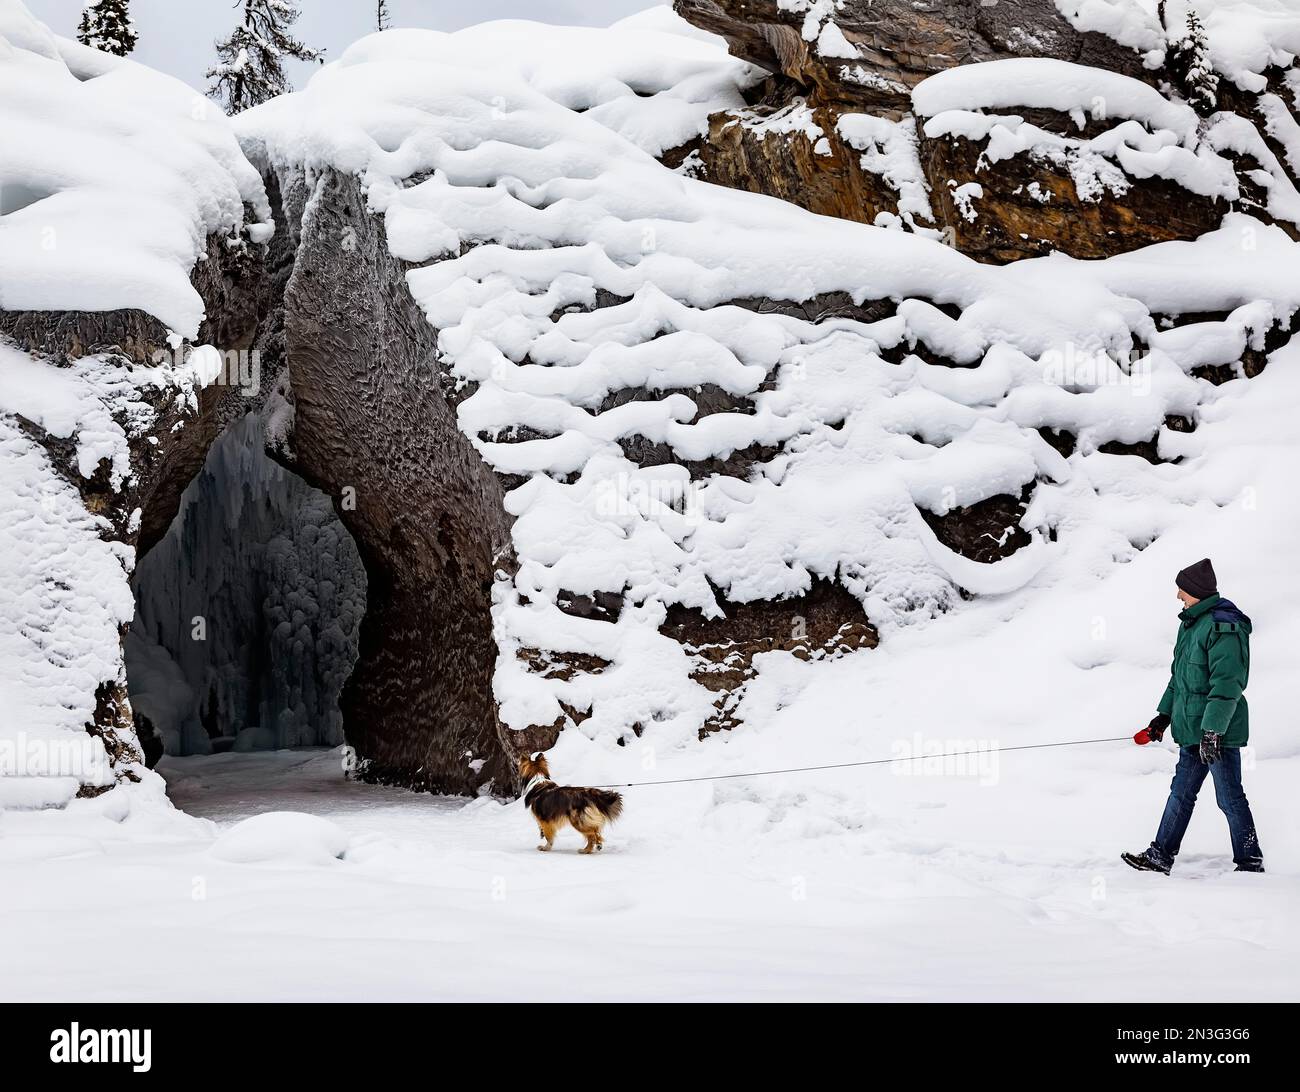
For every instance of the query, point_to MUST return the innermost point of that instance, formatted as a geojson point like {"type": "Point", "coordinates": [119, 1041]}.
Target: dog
{"type": "Point", "coordinates": [585, 810]}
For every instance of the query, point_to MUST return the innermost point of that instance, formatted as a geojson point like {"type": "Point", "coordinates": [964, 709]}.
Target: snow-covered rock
{"type": "Point", "coordinates": [128, 217]}
{"type": "Point", "coordinates": [1081, 142]}
{"type": "Point", "coordinates": [112, 178]}
{"type": "Point", "coordinates": [700, 400]}
{"type": "Point", "coordinates": [282, 838]}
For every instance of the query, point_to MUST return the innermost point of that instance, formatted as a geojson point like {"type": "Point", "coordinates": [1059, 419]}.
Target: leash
{"type": "Point", "coordinates": [867, 762]}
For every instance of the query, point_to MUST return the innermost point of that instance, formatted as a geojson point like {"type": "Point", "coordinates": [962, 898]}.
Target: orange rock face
{"type": "Point", "coordinates": [875, 53]}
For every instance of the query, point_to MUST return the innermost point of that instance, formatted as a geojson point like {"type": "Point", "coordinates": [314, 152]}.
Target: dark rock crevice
{"type": "Point", "coordinates": [985, 531]}
{"type": "Point", "coordinates": [827, 620]}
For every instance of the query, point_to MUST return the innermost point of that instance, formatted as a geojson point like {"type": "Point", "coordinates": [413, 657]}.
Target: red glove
{"type": "Point", "coordinates": [1153, 731]}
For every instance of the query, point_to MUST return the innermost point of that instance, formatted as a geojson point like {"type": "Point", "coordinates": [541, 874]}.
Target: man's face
{"type": "Point", "coordinates": [1186, 600]}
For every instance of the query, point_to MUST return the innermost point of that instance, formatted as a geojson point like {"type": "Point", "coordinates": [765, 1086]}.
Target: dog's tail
{"type": "Point", "coordinates": [609, 804]}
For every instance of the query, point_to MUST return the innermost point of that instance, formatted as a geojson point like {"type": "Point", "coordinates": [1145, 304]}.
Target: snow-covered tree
{"type": "Point", "coordinates": [250, 64]}
{"type": "Point", "coordinates": [106, 25]}
{"type": "Point", "coordinates": [1189, 62]}
{"type": "Point", "coordinates": [382, 19]}
{"type": "Point", "coordinates": [1200, 81]}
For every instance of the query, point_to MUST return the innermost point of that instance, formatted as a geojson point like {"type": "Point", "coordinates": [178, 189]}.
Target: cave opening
{"type": "Point", "coordinates": [248, 611]}
{"type": "Point", "coordinates": [341, 591]}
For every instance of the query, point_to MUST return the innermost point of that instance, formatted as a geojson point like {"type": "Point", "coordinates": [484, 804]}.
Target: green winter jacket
{"type": "Point", "coordinates": [1211, 666]}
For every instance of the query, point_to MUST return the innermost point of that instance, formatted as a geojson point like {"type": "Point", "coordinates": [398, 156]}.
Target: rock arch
{"type": "Point", "coordinates": [348, 398]}
{"type": "Point", "coordinates": [372, 428]}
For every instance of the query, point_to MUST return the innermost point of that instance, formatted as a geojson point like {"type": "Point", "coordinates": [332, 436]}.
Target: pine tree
{"type": "Point", "coordinates": [1196, 74]}
{"type": "Point", "coordinates": [382, 20]}
{"type": "Point", "coordinates": [106, 25]}
{"type": "Point", "coordinates": [250, 64]}
{"type": "Point", "coordinates": [1189, 62]}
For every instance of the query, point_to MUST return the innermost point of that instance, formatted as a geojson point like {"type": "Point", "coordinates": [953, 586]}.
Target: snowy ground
{"type": "Point", "coordinates": [703, 893]}
{"type": "Point", "coordinates": [996, 880]}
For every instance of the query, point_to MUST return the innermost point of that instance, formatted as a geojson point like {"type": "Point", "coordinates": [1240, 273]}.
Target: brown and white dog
{"type": "Point", "coordinates": [585, 810]}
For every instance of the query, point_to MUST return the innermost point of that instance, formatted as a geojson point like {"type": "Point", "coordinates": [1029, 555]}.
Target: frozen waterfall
{"type": "Point", "coordinates": [247, 611]}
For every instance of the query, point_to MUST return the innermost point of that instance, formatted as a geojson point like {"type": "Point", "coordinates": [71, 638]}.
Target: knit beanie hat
{"type": "Point", "coordinates": [1198, 580]}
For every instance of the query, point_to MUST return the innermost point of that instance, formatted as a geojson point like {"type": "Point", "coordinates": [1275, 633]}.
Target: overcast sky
{"type": "Point", "coordinates": [177, 35]}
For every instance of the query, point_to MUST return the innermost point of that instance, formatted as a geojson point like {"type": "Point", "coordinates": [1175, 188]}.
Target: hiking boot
{"type": "Point", "coordinates": [1250, 866]}
{"type": "Point", "coordinates": [1144, 862]}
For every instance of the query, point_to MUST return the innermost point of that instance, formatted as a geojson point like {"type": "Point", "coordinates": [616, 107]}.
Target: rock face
{"type": "Point", "coordinates": [834, 129]}
{"type": "Point", "coordinates": [807, 163]}
{"type": "Point", "coordinates": [892, 45]}
{"type": "Point", "coordinates": [1027, 207]}
{"type": "Point", "coordinates": [824, 622]}
{"type": "Point", "coordinates": [372, 429]}
{"type": "Point", "coordinates": [232, 285]}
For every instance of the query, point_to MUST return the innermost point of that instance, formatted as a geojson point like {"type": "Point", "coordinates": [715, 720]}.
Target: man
{"type": "Point", "coordinates": [1207, 711]}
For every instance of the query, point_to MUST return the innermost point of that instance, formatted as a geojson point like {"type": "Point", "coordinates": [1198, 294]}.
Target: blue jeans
{"type": "Point", "coordinates": [1188, 778]}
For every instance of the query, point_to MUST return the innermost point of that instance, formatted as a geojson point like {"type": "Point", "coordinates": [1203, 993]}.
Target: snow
{"type": "Point", "coordinates": [965, 196]}
{"type": "Point", "coordinates": [112, 177]}
{"type": "Point", "coordinates": [819, 27]}
{"type": "Point", "coordinates": [864, 884]}
{"type": "Point", "coordinates": [797, 117]}
{"type": "Point", "coordinates": [832, 43]}
{"type": "Point", "coordinates": [513, 165]}
{"type": "Point", "coordinates": [1245, 36]}
{"type": "Point", "coordinates": [889, 149]}
{"type": "Point", "coordinates": [1154, 137]}
{"type": "Point", "coordinates": [284, 837]}
{"type": "Point", "coordinates": [63, 585]}
{"type": "Point", "coordinates": [1047, 83]}
{"type": "Point", "coordinates": [1229, 132]}
{"type": "Point", "coordinates": [653, 87]}
{"type": "Point", "coordinates": [1107, 161]}
{"type": "Point", "coordinates": [866, 78]}
{"type": "Point", "coordinates": [1281, 125]}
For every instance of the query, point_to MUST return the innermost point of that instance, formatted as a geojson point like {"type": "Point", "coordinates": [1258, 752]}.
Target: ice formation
{"type": "Point", "coordinates": [247, 611]}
